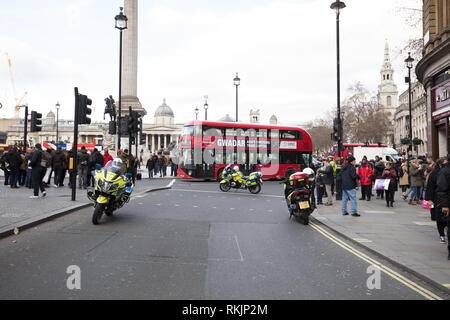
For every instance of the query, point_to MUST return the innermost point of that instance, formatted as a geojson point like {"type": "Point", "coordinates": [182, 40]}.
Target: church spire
{"type": "Point", "coordinates": [387, 60]}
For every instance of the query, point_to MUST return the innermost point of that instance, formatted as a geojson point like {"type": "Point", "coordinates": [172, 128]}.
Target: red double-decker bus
{"type": "Point", "coordinates": [206, 148]}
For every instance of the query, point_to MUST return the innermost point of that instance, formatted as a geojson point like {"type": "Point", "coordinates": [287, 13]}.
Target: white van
{"type": "Point", "coordinates": [385, 153]}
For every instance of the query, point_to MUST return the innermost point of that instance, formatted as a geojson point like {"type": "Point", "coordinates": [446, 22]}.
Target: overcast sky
{"type": "Point", "coordinates": [284, 52]}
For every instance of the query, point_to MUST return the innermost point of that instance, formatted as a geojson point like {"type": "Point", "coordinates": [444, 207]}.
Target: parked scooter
{"type": "Point", "coordinates": [299, 195]}
{"type": "Point", "coordinates": [233, 178]}
{"type": "Point", "coordinates": [112, 190]}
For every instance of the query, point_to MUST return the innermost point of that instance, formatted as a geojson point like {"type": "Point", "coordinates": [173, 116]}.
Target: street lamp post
{"type": "Point", "coordinates": [121, 24]}
{"type": "Point", "coordinates": [337, 6]}
{"type": "Point", "coordinates": [409, 64]}
{"type": "Point", "coordinates": [196, 113]}
{"type": "Point", "coordinates": [237, 83]}
{"type": "Point", "coordinates": [206, 108]}
{"type": "Point", "coordinates": [57, 121]}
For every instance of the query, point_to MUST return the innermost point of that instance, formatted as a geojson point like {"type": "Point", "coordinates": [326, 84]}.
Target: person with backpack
{"type": "Point", "coordinates": [83, 167]}
{"type": "Point", "coordinates": [57, 161]}
{"type": "Point", "coordinates": [379, 168]}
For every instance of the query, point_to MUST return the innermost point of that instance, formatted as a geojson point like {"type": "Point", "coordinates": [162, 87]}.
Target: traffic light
{"type": "Point", "coordinates": [335, 134]}
{"type": "Point", "coordinates": [83, 110]}
{"type": "Point", "coordinates": [142, 139]}
{"type": "Point", "coordinates": [133, 141]}
{"type": "Point", "coordinates": [130, 124]}
{"type": "Point", "coordinates": [112, 127]}
{"type": "Point", "coordinates": [36, 122]}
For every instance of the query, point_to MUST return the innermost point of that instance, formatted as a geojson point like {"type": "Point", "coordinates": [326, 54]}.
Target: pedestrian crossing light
{"type": "Point", "coordinates": [335, 134]}
{"type": "Point", "coordinates": [36, 121]}
{"type": "Point", "coordinates": [133, 141]}
{"type": "Point", "coordinates": [84, 111]}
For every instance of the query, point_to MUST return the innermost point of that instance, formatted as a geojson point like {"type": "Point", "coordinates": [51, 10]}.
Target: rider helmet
{"type": "Point", "coordinates": [310, 173]}
{"type": "Point", "coordinates": [236, 169]}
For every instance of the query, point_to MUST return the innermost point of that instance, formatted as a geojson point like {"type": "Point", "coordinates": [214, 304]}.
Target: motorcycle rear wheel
{"type": "Point", "coordinates": [98, 212]}
{"type": "Point", "coordinates": [255, 189]}
{"type": "Point", "coordinates": [225, 187]}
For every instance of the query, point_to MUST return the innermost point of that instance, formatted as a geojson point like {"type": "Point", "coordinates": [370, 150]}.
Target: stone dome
{"type": "Point", "coordinates": [273, 120]}
{"type": "Point", "coordinates": [164, 111]}
{"type": "Point", "coordinates": [50, 118]}
{"type": "Point", "coordinates": [50, 115]}
{"type": "Point", "coordinates": [227, 118]}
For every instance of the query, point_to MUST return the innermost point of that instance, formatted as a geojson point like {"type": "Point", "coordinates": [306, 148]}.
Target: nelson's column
{"type": "Point", "coordinates": [130, 60]}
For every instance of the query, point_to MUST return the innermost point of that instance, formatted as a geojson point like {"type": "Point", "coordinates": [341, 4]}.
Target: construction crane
{"type": "Point", "coordinates": [18, 105]}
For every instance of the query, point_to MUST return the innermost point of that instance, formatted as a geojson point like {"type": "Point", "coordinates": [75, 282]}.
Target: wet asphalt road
{"type": "Point", "coordinates": [191, 242]}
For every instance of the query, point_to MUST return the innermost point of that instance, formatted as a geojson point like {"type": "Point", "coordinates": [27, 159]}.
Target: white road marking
{"type": "Point", "coordinates": [362, 240]}
{"type": "Point", "coordinates": [171, 183]}
{"type": "Point", "coordinates": [430, 223]}
{"type": "Point", "coordinates": [239, 248]}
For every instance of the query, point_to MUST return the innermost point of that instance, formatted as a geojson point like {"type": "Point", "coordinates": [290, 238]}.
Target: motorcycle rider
{"type": "Point", "coordinates": [237, 175]}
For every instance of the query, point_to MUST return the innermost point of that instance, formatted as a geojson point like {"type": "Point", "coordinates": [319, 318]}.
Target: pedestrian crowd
{"type": "Point", "coordinates": [157, 165]}
{"type": "Point", "coordinates": [427, 184]}
{"type": "Point", "coordinates": [35, 167]}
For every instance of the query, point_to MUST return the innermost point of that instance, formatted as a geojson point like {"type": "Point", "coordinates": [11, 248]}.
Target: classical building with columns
{"type": "Point", "coordinates": [163, 133]}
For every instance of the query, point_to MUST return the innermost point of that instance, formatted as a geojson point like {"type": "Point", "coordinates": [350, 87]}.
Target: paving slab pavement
{"type": "Point", "coordinates": [404, 234]}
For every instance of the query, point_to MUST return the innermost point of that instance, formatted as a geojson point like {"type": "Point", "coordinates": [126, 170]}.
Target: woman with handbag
{"type": "Point", "coordinates": [431, 198]}
{"type": "Point", "coordinates": [391, 174]}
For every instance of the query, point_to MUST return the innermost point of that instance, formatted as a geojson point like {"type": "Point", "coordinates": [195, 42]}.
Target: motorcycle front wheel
{"type": "Point", "coordinates": [225, 187]}
{"type": "Point", "coordinates": [255, 189]}
{"type": "Point", "coordinates": [98, 212]}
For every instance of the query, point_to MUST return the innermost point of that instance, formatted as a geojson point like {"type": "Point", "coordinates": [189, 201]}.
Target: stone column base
{"type": "Point", "coordinates": [135, 104]}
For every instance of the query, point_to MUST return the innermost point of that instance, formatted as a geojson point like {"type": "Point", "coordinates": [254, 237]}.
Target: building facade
{"type": "Point", "coordinates": [163, 133]}
{"type": "Point", "coordinates": [433, 71]}
{"type": "Point", "coordinates": [419, 119]}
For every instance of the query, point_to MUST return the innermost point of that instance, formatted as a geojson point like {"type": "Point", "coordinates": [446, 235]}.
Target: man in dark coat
{"type": "Point", "coordinates": [14, 160]}
{"type": "Point", "coordinates": [83, 167]}
{"type": "Point", "coordinates": [38, 164]}
{"type": "Point", "coordinates": [431, 197]}
{"type": "Point", "coordinates": [4, 166]}
{"type": "Point", "coordinates": [443, 193]}
{"type": "Point", "coordinates": [150, 165]}
{"type": "Point", "coordinates": [349, 182]}
{"type": "Point", "coordinates": [327, 178]}
{"type": "Point", "coordinates": [58, 159]}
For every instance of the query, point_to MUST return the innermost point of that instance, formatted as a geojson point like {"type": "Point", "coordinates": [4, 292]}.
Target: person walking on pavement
{"type": "Point", "coordinates": [416, 182]}
{"type": "Point", "coordinates": [29, 154]}
{"type": "Point", "coordinates": [150, 166]}
{"type": "Point", "coordinates": [125, 157]}
{"type": "Point", "coordinates": [320, 189]}
{"type": "Point", "coordinates": [379, 168]}
{"type": "Point", "coordinates": [156, 164]}
{"type": "Point", "coordinates": [431, 197]}
{"type": "Point", "coordinates": [365, 176]}
{"type": "Point", "coordinates": [390, 173]}
{"type": "Point", "coordinates": [38, 165]}
{"type": "Point", "coordinates": [23, 168]}
{"type": "Point", "coordinates": [5, 167]}
{"type": "Point", "coordinates": [443, 194]}
{"type": "Point", "coordinates": [403, 182]}
{"type": "Point", "coordinates": [58, 161]}
{"type": "Point", "coordinates": [14, 160]}
{"type": "Point", "coordinates": [327, 178]}
{"type": "Point", "coordinates": [83, 167]}
{"type": "Point", "coordinates": [47, 157]}
{"type": "Point", "coordinates": [349, 183]}
{"type": "Point", "coordinates": [106, 157]}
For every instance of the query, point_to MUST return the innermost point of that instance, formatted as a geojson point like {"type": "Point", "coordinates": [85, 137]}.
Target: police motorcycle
{"type": "Point", "coordinates": [299, 194]}
{"type": "Point", "coordinates": [112, 190]}
{"type": "Point", "coordinates": [233, 178]}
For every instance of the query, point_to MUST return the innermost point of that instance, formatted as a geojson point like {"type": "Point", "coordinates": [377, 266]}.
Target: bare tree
{"type": "Point", "coordinates": [412, 14]}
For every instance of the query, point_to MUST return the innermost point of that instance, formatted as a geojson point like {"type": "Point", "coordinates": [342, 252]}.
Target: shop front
{"type": "Point", "coordinates": [440, 113]}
